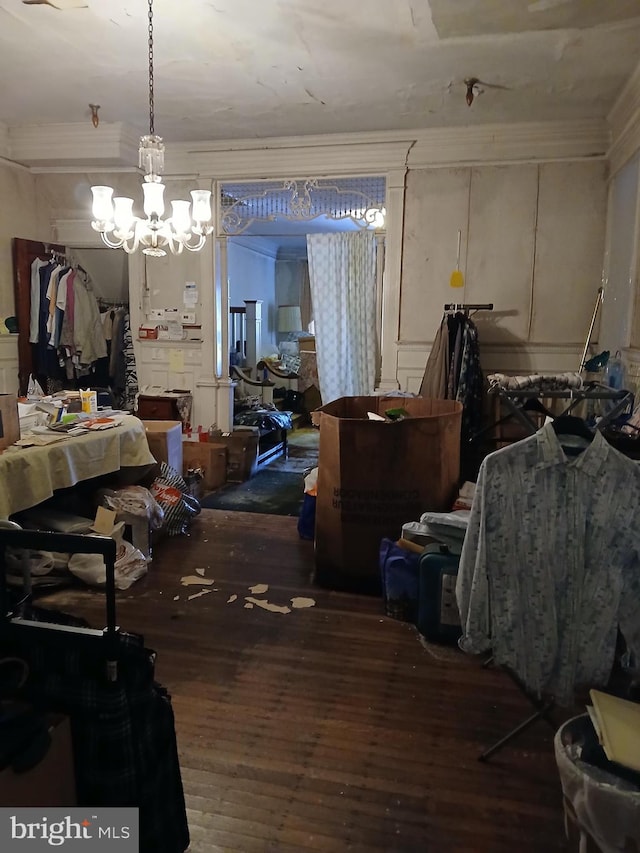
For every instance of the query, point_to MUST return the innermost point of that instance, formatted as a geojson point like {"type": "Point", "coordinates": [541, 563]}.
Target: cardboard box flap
{"type": "Point", "coordinates": [356, 408]}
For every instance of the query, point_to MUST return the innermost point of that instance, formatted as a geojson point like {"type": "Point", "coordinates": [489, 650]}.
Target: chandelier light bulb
{"type": "Point", "coordinates": [190, 222]}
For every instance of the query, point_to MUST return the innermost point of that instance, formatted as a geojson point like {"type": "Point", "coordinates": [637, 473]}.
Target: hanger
{"type": "Point", "coordinates": [572, 426]}
{"type": "Point", "coordinates": [534, 405]}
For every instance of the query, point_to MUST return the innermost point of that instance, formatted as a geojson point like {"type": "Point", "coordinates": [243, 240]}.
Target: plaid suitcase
{"type": "Point", "coordinates": [122, 722]}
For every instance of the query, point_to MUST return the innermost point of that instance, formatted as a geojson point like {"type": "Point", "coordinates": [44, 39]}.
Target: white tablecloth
{"type": "Point", "coordinates": [30, 475]}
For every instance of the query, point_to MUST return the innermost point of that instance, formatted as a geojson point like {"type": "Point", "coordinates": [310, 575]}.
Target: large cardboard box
{"type": "Point", "coordinates": [9, 421]}
{"type": "Point", "coordinates": [51, 782]}
{"type": "Point", "coordinates": [165, 442]}
{"type": "Point", "coordinates": [210, 457]}
{"type": "Point", "coordinates": [242, 453]}
{"type": "Point", "coordinates": [374, 476]}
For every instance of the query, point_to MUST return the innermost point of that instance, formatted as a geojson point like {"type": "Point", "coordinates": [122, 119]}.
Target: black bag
{"type": "Point", "coordinates": [122, 722]}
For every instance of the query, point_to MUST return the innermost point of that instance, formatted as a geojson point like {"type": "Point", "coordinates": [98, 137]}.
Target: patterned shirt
{"type": "Point", "coordinates": [550, 566]}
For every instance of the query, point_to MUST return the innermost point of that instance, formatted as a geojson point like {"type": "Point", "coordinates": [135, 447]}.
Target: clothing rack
{"type": "Point", "coordinates": [466, 307]}
{"type": "Point", "coordinates": [59, 257]}
{"type": "Point", "coordinates": [542, 711]}
{"type": "Point", "coordinates": [108, 304]}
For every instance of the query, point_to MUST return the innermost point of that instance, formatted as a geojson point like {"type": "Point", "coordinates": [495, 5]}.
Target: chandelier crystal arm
{"type": "Point", "coordinates": [190, 223]}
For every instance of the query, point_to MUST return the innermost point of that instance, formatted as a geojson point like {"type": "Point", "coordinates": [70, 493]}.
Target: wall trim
{"type": "Point", "coordinates": [509, 358]}
{"type": "Point", "coordinates": [247, 244]}
{"type": "Point", "coordinates": [51, 146]}
{"type": "Point", "coordinates": [5, 144]}
{"type": "Point", "coordinates": [496, 346]}
{"type": "Point", "coordinates": [495, 143]}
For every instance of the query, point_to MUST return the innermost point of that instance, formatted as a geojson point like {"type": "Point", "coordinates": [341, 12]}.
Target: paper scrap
{"type": "Point", "coordinates": [176, 361]}
{"type": "Point", "coordinates": [176, 598]}
{"type": "Point", "coordinates": [232, 598]}
{"type": "Point", "coordinates": [259, 588]}
{"type": "Point", "coordinates": [300, 601]}
{"type": "Point", "coordinates": [198, 594]}
{"type": "Point", "coordinates": [190, 293]}
{"type": "Point", "coordinates": [266, 605]}
{"type": "Point", "coordinates": [105, 521]}
{"type": "Point", "coordinates": [249, 606]}
{"type": "Point", "coordinates": [200, 572]}
{"type": "Point", "coordinates": [196, 580]}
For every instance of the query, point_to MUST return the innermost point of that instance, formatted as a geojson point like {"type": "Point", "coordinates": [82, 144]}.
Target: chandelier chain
{"type": "Point", "coordinates": [151, 112]}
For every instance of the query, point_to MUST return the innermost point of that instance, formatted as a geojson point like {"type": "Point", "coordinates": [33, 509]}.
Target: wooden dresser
{"type": "Point", "coordinates": [167, 406]}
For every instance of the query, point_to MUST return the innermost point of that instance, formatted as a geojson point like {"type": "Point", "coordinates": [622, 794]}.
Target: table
{"type": "Point", "coordinates": [30, 475]}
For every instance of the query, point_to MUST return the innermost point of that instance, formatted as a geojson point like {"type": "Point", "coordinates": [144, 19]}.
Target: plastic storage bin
{"type": "Point", "coordinates": [602, 810]}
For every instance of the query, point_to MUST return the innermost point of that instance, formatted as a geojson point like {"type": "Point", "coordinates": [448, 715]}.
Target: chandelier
{"type": "Point", "coordinates": [121, 229]}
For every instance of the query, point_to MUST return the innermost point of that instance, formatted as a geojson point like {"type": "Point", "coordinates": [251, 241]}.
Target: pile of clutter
{"type": "Point", "coordinates": [419, 570]}
{"type": "Point", "coordinates": [131, 515]}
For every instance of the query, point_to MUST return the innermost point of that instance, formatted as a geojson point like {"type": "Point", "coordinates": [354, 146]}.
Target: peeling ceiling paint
{"type": "Point", "coordinates": [244, 69]}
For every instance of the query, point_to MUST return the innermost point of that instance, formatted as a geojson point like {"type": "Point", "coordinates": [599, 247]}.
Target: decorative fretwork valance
{"type": "Point", "coordinates": [359, 199]}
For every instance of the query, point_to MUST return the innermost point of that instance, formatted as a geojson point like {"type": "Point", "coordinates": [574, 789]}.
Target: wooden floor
{"type": "Point", "coordinates": [330, 728]}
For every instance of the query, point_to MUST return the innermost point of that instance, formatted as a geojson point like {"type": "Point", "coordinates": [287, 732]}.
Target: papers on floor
{"type": "Point", "coordinates": [617, 724]}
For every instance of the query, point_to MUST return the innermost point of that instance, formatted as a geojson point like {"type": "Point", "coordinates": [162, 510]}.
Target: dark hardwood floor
{"type": "Point", "coordinates": [330, 728]}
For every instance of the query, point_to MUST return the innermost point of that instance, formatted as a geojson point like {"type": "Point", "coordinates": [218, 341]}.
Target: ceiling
{"type": "Point", "coordinates": [257, 68]}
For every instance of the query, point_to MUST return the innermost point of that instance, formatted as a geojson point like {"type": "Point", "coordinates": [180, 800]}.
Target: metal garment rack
{"type": "Point", "coordinates": [543, 708]}
{"type": "Point", "coordinates": [515, 402]}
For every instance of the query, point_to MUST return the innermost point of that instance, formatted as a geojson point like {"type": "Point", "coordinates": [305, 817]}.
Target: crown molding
{"type": "Point", "coordinates": [52, 146]}
{"type": "Point", "coordinates": [78, 147]}
{"type": "Point", "coordinates": [76, 233]}
{"type": "Point", "coordinates": [624, 121]}
{"type": "Point", "coordinates": [504, 143]}
{"type": "Point", "coordinates": [342, 155]}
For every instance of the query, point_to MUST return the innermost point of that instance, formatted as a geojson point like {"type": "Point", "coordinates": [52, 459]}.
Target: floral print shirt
{"type": "Point", "coordinates": [550, 566]}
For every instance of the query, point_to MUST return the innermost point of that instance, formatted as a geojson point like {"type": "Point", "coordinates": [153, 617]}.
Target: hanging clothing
{"type": "Point", "coordinates": [124, 376]}
{"type": "Point", "coordinates": [64, 325]}
{"type": "Point", "coordinates": [434, 381]}
{"type": "Point", "coordinates": [453, 371]}
{"type": "Point", "coordinates": [35, 299]}
{"type": "Point", "coordinates": [550, 566]}
{"type": "Point", "coordinates": [470, 387]}
{"type": "Point", "coordinates": [88, 336]}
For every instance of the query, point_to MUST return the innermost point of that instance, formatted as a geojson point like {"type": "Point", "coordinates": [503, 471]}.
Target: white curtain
{"type": "Point", "coordinates": [342, 274]}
